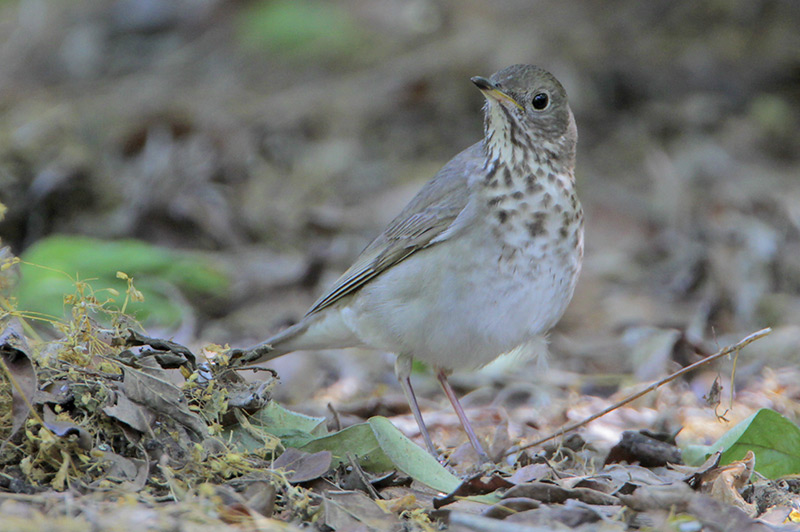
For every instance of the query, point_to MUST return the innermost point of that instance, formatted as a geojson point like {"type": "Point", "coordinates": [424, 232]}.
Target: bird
{"type": "Point", "coordinates": [482, 261]}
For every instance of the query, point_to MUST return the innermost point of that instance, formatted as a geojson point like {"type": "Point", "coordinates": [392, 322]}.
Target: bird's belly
{"type": "Point", "coordinates": [460, 306]}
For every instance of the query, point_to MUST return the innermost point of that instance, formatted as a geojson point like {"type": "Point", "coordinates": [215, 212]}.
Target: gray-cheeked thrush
{"type": "Point", "coordinates": [482, 261]}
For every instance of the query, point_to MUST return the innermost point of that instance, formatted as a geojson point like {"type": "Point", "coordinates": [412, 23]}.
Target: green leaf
{"type": "Point", "coordinates": [55, 263]}
{"type": "Point", "coordinates": [380, 446]}
{"type": "Point", "coordinates": [279, 420]}
{"type": "Point", "coordinates": [410, 458]}
{"type": "Point", "coordinates": [299, 27]}
{"type": "Point", "coordinates": [377, 444]}
{"type": "Point", "coordinates": [293, 429]}
{"type": "Point", "coordinates": [773, 439]}
{"type": "Point", "coordinates": [359, 442]}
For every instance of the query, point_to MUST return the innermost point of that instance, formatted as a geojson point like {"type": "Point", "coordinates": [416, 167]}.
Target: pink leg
{"type": "Point", "coordinates": [408, 391]}
{"type": "Point", "coordinates": [473, 439]}
{"type": "Point", "coordinates": [402, 368]}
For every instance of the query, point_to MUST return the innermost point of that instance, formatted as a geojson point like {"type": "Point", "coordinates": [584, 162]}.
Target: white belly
{"type": "Point", "coordinates": [460, 304]}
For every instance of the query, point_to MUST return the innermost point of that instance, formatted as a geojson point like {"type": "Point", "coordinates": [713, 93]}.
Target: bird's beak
{"type": "Point", "coordinates": [491, 91]}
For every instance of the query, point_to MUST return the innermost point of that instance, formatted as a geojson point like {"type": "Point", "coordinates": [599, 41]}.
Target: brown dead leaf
{"type": "Point", "coordinates": [182, 355]}
{"type": "Point", "coordinates": [132, 414]}
{"type": "Point", "coordinates": [529, 473]}
{"type": "Point", "coordinates": [717, 515]}
{"type": "Point", "coordinates": [669, 497]}
{"type": "Point", "coordinates": [63, 428]}
{"type": "Point", "coordinates": [302, 466]}
{"type": "Point", "coordinates": [347, 510]}
{"type": "Point", "coordinates": [510, 506]}
{"type": "Point", "coordinates": [571, 515]}
{"type": "Point", "coordinates": [476, 485]}
{"type": "Point", "coordinates": [152, 390]}
{"type": "Point", "coordinates": [725, 483]}
{"type": "Point", "coordinates": [260, 496]}
{"type": "Point", "coordinates": [18, 368]}
{"type": "Point", "coordinates": [642, 448]}
{"type": "Point", "coordinates": [56, 392]}
{"type": "Point", "coordinates": [142, 473]}
{"type": "Point", "coordinates": [119, 468]}
{"type": "Point", "coordinates": [696, 478]}
{"type": "Point", "coordinates": [250, 395]}
{"type": "Point", "coordinates": [551, 493]}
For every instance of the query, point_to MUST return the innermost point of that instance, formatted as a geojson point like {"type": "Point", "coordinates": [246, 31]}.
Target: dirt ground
{"type": "Point", "coordinates": [276, 138]}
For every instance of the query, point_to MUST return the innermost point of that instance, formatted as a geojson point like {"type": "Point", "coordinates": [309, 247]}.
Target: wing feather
{"type": "Point", "coordinates": [421, 224]}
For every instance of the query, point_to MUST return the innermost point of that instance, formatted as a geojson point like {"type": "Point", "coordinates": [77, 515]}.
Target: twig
{"type": "Point", "coordinates": [363, 477]}
{"type": "Point", "coordinates": [721, 353]}
{"type": "Point", "coordinates": [337, 423]}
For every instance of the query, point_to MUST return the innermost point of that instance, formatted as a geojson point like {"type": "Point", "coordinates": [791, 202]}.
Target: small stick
{"type": "Point", "coordinates": [721, 353]}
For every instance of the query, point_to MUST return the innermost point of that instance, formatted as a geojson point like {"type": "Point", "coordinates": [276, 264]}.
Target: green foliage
{"type": "Point", "coordinates": [299, 27]}
{"type": "Point", "coordinates": [377, 445]}
{"type": "Point", "coordinates": [359, 442]}
{"type": "Point", "coordinates": [774, 440]}
{"type": "Point", "coordinates": [293, 429]}
{"type": "Point", "coordinates": [52, 265]}
{"type": "Point", "coordinates": [410, 458]}
{"type": "Point", "coordinates": [380, 446]}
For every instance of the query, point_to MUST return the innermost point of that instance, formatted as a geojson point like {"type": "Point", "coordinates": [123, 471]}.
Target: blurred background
{"type": "Point", "coordinates": [253, 148]}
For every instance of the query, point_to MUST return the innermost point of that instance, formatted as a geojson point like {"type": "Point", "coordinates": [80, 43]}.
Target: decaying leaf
{"type": "Point", "coordinates": [301, 466]}
{"type": "Point", "coordinates": [63, 429]}
{"type": "Point", "coordinates": [475, 485]}
{"type": "Point", "coordinates": [675, 496]}
{"type": "Point", "coordinates": [725, 483]}
{"type": "Point", "coordinates": [18, 369]}
{"type": "Point", "coordinates": [181, 354]}
{"type": "Point", "coordinates": [552, 493]}
{"type": "Point", "coordinates": [132, 414]}
{"type": "Point", "coordinates": [642, 448]}
{"type": "Point", "coordinates": [152, 390]}
{"type": "Point", "coordinates": [529, 473]}
{"type": "Point", "coordinates": [252, 395]}
{"type": "Point", "coordinates": [348, 510]}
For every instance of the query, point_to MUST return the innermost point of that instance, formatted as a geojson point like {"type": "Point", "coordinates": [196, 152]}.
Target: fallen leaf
{"type": "Point", "coordinates": [726, 482]}
{"type": "Point", "coordinates": [302, 466]}
{"type": "Point", "coordinates": [63, 429]}
{"type": "Point", "coordinates": [774, 440]}
{"type": "Point", "coordinates": [410, 458]}
{"type": "Point", "coordinates": [293, 429]}
{"type": "Point", "coordinates": [636, 447]}
{"type": "Point", "coordinates": [182, 354]}
{"type": "Point", "coordinates": [510, 506]}
{"type": "Point", "coordinates": [552, 493]}
{"type": "Point", "coordinates": [18, 368]}
{"type": "Point", "coordinates": [132, 414]}
{"type": "Point", "coordinates": [357, 440]}
{"type": "Point", "coordinates": [347, 510]}
{"type": "Point", "coordinates": [475, 485]}
{"type": "Point", "coordinates": [161, 396]}
{"type": "Point", "coordinates": [671, 497]}
{"type": "Point", "coordinates": [528, 473]}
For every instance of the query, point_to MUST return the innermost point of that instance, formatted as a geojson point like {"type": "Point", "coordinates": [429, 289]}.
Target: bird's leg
{"type": "Point", "coordinates": [473, 439]}
{"type": "Point", "coordinates": [402, 369]}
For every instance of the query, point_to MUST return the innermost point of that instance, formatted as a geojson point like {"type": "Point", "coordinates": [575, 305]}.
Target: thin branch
{"type": "Point", "coordinates": [721, 353]}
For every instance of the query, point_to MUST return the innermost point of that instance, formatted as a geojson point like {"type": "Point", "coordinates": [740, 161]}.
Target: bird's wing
{"type": "Point", "coordinates": [432, 211]}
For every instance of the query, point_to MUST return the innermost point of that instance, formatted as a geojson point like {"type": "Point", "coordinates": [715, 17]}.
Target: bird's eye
{"type": "Point", "coordinates": [540, 101]}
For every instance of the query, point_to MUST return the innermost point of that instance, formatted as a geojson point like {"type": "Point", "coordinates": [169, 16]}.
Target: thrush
{"type": "Point", "coordinates": [482, 261]}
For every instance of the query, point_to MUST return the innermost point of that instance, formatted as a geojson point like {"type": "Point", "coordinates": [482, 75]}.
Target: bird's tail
{"type": "Point", "coordinates": [325, 330]}
{"type": "Point", "coordinates": [278, 345]}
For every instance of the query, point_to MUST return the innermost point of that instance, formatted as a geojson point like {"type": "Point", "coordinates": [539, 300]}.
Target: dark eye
{"type": "Point", "coordinates": [540, 101]}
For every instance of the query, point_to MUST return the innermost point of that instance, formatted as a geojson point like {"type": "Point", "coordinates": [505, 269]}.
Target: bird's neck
{"type": "Point", "coordinates": [513, 152]}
